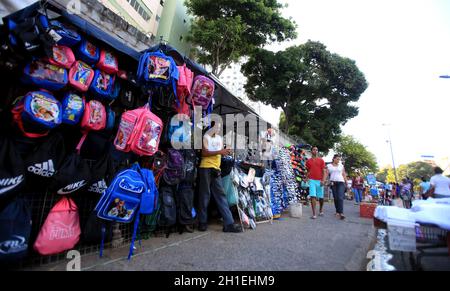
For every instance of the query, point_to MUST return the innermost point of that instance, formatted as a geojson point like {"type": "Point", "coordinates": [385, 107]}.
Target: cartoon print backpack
{"type": "Point", "coordinates": [103, 85]}
{"type": "Point", "coordinates": [185, 81]}
{"type": "Point", "coordinates": [202, 92]}
{"type": "Point", "coordinates": [139, 131]}
{"type": "Point", "coordinates": [108, 62]}
{"type": "Point", "coordinates": [61, 230]}
{"type": "Point", "coordinates": [45, 75]}
{"type": "Point", "coordinates": [175, 171]}
{"type": "Point", "coordinates": [88, 52]}
{"type": "Point", "coordinates": [94, 118]}
{"type": "Point", "coordinates": [39, 108]}
{"type": "Point", "coordinates": [81, 76]}
{"type": "Point", "coordinates": [69, 37]}
{"type": "Point", "coordinates": [62, 56]}
{"type": "Point", "coordinates": [73, 108]}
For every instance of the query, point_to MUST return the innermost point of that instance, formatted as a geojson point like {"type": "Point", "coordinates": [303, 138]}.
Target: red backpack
{"type": "Point", "coordinates": [184, 86]}
{"type": "Point", "coordinates": [94, 118]}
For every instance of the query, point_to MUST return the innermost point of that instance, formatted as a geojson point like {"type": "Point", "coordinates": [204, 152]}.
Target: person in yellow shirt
{"type": "Point", "coordinates": [211, 181]}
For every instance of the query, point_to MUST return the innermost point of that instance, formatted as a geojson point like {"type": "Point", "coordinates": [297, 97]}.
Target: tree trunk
{"type": "Point", "coordinates": [286, 123]}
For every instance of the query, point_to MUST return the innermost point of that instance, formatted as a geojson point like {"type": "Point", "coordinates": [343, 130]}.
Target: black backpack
{"type": "Point", "coordinates": [226, 165]}
{"type": "Point", "coordinates": [101, 174]}
{"type": "Point", "coordinates": [15, 230]}
{"type": "Point", "coordinates": [44, 162]}
{"type": "Point", "coordinates": [12, 171]}
{"type": "Point", "coordinates": [93, 230]}
{"type": "Point", "coordinates": [168, 215]}
{"type": "Point", "coordinates": [190, 165]}
{"type": "Point", "coordinates": [74, 175]}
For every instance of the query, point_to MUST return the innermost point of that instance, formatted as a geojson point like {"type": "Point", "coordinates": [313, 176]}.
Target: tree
{"type": "Point", "coordinates": [312, 86]}
{"type": "Point", "coordinates": [227, 30]}
{"type": "Point", "coordinates": [356, 156]}
{"type": "Point", "coordinates": [383, 175]}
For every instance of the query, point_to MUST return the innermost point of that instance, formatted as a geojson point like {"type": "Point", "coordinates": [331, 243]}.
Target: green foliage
{"type": "Point", "coordinates": [356, 156]}
{"type": "Point", "coordinates": [312, 86]}
{"type": "Point", "coordinates": [226, 30]}
{"type": "Point", "coordinates": [415, 171]}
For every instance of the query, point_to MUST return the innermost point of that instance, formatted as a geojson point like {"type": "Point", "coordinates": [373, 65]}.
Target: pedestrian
{"type": "Point", "coordinates": [358, 187]}
{"type": "Point", "coordinates": [424, 187]}
{"type": "Point", "coordinates": [406, 193]}
{"type": "Point", "coordinates": [440, 185]}
{"type": "Point", "coordinates": [316, 178]}
{"type": "Point", "coordinates": [211, 181]}
{"type": "Point", "coordinates": [338, 179]}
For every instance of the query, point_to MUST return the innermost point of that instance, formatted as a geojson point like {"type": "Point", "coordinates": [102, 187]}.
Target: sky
{"type": "Point", "coordinates": [402, 47]}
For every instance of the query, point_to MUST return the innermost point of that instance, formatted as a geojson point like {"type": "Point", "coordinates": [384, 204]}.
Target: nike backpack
{"type": "Point", "coordinates": [108, 62]}
{"type": "Point", "coordinates": [45, 75]}
{"type": "Point", "coordinates": [61, 229]}
{"type": "Point", "coordinates": [15, 230]}
{"type": "Point", "coordinates": [139, 131]}
{"type": "Point", "coordinates": [12, 170]}
{"type": "Point", "coordinates": [73, 108]}
{"type": "Point", "coordinates": [62, 56]}
{"type": "Point", "coordinates": [88, 52]}
{"type": "Point", "coordinates": [81, 76]}
{"type": "Point", "coordinates": [74, 175]}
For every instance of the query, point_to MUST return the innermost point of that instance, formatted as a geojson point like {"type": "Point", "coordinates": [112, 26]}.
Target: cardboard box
{"type": "Point", "coordinates": [367, 210]}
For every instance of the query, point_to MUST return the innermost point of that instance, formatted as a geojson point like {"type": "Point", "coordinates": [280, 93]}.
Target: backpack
{"type": "Point", "coordinates": [45, 75]}
{"type": "Point", "coordinates": [190, 165]}
{"type": "Point", "coordinates": [139, 131]}
{"type": "Point", "coordinates": [62, 56]}
{"type": "Point", "coordinates": [61, 230]}
{"type": "Point", "coordinates": [68, 36]}
{"type": "Point", "coordinates": [168, 215]}
{"type": "Point", "coordinates": [12, 171]}
{"type": "Point", "coordinates": [73, 108]}
{"type": "Point", "coordinates": [102, 171]}
{"type": "Point", "coordinates": [110, 119]}
{"type": "Point", "coordinates": [175, 170]}
{"type": "Point", "coordinates": [159, 165]}
{"type": "Point", "coordinates": [180, 133]}
{"type": "Point", "coordinates": [74, 175]}
{"type": "Point", "coordinates": [45, 161]}
{"type": "Point", "coordinates": [94, 118]}
{"type": "Point", "coordinates": [202, 92]}
{"type": "Point", "coordinates": [226, 165]}
{"type": "Point", "coordinates": [103, 85]}
{"type": "Point", "coordinates": [108, 62]}
{"type": "Point", "coordinates": [185, 81]}
{"type": "Point", "coordinates": [15, 230]}
{"type": "Point", "coordinates": [39, 108]}
{"type": "Point", "coordinates": [88, 52]}
{"type": "Point", "coordinates": [95, 229]}
{"type": "Point", "coordinates": [81, 76]}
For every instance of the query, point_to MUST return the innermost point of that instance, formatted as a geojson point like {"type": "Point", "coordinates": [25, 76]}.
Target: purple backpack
{"type": "Point", "coordinates": [174, 172]}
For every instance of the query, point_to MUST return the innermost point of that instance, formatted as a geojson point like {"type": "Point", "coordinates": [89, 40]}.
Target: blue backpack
{"type": "Point", "coordinates": [88, 52]}
{"type": "Point", "coordinates": [110, 119]}
{"type": "Point", "coordinates": [159, 70]}
{"type": "Point", "coordinates": [68, 36]}
{"type": "Point", "coordinates": [45, 75]}
{"type": "Point", "coordinates": [131, 193]}
{"type": "Point", "coordinates": [73, 108]}
{"type": "Point", "coordinates": [103, 85]}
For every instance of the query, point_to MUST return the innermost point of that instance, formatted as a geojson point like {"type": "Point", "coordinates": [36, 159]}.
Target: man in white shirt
{"type": "Point", "coordinates": [440, 185]}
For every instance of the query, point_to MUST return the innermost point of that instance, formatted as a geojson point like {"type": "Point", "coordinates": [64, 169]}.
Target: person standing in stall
{"type": "Point", "coordinates": [211, 181]}
{"type": "Point", "coordinates": [316, 179]}
{"type": "Point", "coordinates": [338, 179]}
{"type": "Point", "coordinates": [358, 187]}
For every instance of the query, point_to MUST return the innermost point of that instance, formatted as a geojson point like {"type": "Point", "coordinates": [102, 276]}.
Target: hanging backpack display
{"type": "Point", "coordinates": [61, 230]}
{"type": "Point", "coordinates": [179, 130]}
{"type": "Point", "coordinates": [103, 85]}
{"type": "Point", "coordinates": [139, 131]}
{"type": "Point", "coordinates": [108, 62]}
{"type": "Point", "coordinates": [88, 52]}
{"type": "Point", "coordinates": [74, 175]}
{"type": "Point", "coordinates": [62, 56]}
{"type": "Point", "coordinates": [73, 108]}
{"type": "Point", "coordinates": [190, 165]}
{"type": "Point", "coordinates": [168, 215]}
{"type": "Point", "coordinates": [12, 171]}
{"type": "Point", "coordinates": [69, 37]}
{"type": "Point", "coordinates": [40, 109]}
{"type": "Point", "coordinates": [174, 172]}
{"type": "Point", "coordinates": [110, 119]}
{"type": "Point", "coordinates": [94, 118]}
{"type": "Point", "coordinates": [159, 165]}
{"type": "Point", "coordinates": [96, 229]}
{"type": "Point", "coordinates": [81, 76]}
{"type": "Point", "coordinates": [202, 92]}
{"type": "Point", "coordinates": [46, 159]}
{"type": "Point", "coordinates": [45, 75]}
{"type": "Point", "coordinates": [101, 175]}
{"type": "Point", "coordinates": [185, 81]}
{"type": "Point", "coordinates": [15, 230]}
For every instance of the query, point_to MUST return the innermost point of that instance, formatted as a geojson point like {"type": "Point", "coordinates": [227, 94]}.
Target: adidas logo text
{"type": "Point", "coordinates": [44, 169]}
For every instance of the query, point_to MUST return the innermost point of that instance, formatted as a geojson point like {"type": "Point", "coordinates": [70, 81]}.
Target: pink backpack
{"type": "Point", "coordinates": [108, 62]}
{"type": "Point", "coordinates": [62, 57]}
{"type": "Point", "coordinates": [61, 230]}
{"type": "Point", "coordinates": [202, 92]}
{"type": "Point", "coordinates": [139, 131]}
{"type": "Point", "coordinates": [185, 81]}
{"type": "Point", "coordinates": [81, 76]}
{"type": "Point", "coordinates": [94, 118]}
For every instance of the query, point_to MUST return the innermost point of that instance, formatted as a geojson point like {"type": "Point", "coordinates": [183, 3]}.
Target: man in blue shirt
{"type": "Point", "coordinates": [424, 187]}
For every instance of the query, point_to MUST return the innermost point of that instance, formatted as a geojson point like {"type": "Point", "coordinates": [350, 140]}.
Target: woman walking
{"type": "Point", "coordinates": [338, 179]}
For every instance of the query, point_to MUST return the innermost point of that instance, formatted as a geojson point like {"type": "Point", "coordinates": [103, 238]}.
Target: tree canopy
{"type": "Point", "coordinates": [356, 156]}
{"type": "Point", "coordinates": [415, 171]}
{"type": "Point", "coordinates": [226, 30]}
{"type": "Point", "coordinates": [312, 86]}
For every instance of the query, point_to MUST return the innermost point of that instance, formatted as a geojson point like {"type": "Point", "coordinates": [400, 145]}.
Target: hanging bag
{"type": "Point", "coordinates": [12, 171]}
{"type": "Point", "coordinates": [108, 62]}
{"type": "Point", "coordinates": [88, 52]}
{"type": "Point", "coordinates": [81, 76]}
{"type": "Point", "coordinates": [73, 108]}
{"type": "Point", "coordinates": [44, 75]}
{"type": "Point", "coordinates": [74, 175]}
{"type": "Point", "coordinates": [62, 56]}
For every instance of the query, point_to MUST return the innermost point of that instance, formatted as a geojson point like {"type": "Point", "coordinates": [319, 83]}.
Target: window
{"type": "Point", "coordinates": [140, 9]}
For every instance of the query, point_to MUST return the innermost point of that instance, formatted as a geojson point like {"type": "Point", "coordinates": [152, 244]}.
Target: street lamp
{"type": "Point", "coordinates": [392, 152]}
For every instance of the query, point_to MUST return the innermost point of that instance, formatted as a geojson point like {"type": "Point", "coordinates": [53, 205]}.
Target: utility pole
{"type": "Point", "coordinates": [392, 152]}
